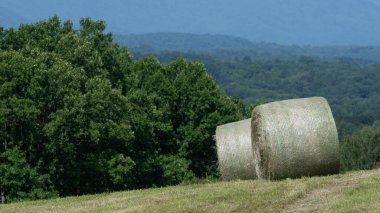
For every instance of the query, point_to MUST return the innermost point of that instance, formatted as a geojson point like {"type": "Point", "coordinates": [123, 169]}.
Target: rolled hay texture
{"type": "Point", "coordinates": [294, 138]}
{"type": "Point", "coordinates": [234, 147]}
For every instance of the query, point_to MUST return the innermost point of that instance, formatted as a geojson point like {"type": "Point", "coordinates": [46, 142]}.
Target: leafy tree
{"type": "Point", "coordinates": [180, 106]}
{"type": "Point", "coordinates": [18, 181]}
{"type": "Point", "coordinates": [175, 169]}
{"type": "Point", "coordinates": [361, 150]}
{"type": "Point", "coordinates": [120, 170]}
{"type": "Point", "coordinates": [78, 116]}
{"type": "Point", "coordinates": [90, 130]}
{"type": "Point", "coordinates": [199, 106]}
{"type": "Point", "coordinates": [62, 102]}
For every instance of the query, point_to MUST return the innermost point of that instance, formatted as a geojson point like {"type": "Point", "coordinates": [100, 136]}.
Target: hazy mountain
{"type": "Point", "coordinates": [316, 22]}
{"type": "Point", "coordinates": [231, 47]}
{"type": "Point", "coordinates": [183, 42]}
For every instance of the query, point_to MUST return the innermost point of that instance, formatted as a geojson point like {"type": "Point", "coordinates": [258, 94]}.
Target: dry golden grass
{"type": "Point", "coordinates": [356, 191]}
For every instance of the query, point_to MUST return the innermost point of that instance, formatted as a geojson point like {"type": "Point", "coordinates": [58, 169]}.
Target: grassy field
{"type": "Point", "coordinates": [351, 192]}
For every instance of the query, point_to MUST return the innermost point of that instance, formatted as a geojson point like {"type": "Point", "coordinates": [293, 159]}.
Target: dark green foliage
{"type": "Point", "coordinates": [60, 104]}
{"type": "Point", "coordinates": [198, 105]}
{"type": "Point", "coordinates": [180, 105]}
{"type": "Point", "coordinates": [119, 168]}
{"type": "Point", "coordinates": [18, 181]}
{"type": "Point", "coordinates": [78, 116]}
{"type": "Point", "coordinates": [175, 169]}
{"type": "Point", "coordinates": [361, 150]}
{"type": "Point", "coordinates": [351, 88]}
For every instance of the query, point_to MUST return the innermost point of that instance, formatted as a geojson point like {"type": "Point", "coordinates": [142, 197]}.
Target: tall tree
{"type": "Point", "coordinates": [78, 116]}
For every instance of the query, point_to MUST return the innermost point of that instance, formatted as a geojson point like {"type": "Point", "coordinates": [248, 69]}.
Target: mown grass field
{"type": "Point", "coordinates": [352, 192]}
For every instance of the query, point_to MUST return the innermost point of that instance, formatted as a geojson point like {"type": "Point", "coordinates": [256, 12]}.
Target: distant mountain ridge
{"type": "Point", "coordinates": [229, 47]}
{"type": "Point", "coordinates": [183, 42]}
{"type": "Point", "coordinates": [303, 22]}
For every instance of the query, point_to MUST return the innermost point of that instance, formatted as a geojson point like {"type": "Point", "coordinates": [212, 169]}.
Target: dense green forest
{"type": "Point", "coordinates": [351, 88]}
{"type": "Point", "coordinates": [80, 115]}
{"type": "Point", "coordinates": [361, 150]}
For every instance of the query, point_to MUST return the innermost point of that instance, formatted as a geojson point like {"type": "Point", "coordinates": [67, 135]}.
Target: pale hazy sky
{"type": "Point", "coordinates": [376, 2]}
{"type": "Point", "coordinates": [317, 22]}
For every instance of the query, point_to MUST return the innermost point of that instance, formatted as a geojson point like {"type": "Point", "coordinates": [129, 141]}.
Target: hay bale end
{"type": "Point", "coordinates": [294, 138]}
{"type": "Point", "coordinates": [235, 154]}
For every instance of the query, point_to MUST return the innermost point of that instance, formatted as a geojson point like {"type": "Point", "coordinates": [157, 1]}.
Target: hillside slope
{"type": "Point", "coordinates": [354, 192]}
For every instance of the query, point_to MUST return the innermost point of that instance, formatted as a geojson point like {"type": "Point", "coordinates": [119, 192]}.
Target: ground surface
{"type": "Point", "coordinates": [351, 192]}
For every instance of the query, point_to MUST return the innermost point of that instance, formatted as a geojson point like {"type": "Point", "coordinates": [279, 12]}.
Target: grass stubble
{"type": "Point", "coordinates": [352, 192]}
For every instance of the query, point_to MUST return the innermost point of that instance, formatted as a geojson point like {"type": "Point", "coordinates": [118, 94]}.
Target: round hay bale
{"type": "Point", "coordinates": [234, 147]}
{"type": "Point", "coordinates": [294, 138]}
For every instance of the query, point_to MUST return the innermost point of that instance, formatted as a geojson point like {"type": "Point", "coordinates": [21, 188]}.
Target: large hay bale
{"type": "Point", "coordinates": [234, 147]}
{"type": "Point", "coordinates": [295, 138]}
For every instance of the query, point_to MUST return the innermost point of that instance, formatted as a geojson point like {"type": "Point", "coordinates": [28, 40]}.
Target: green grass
{"type": "Point", "coordinates": [364, 198]}
{"type": "Point", "coordinates": [351, 192]}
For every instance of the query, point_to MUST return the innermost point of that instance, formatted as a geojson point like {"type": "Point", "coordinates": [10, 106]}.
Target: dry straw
{"type": "Point", "coordinates": [293, 138]}
{"type": "Point", "coordinates": [235, 154]}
